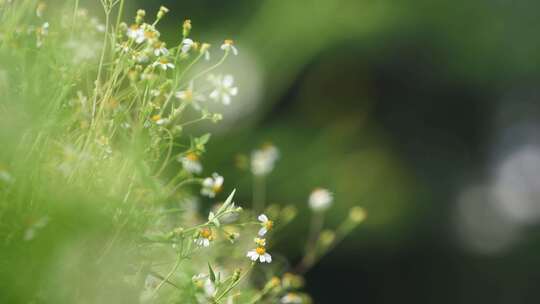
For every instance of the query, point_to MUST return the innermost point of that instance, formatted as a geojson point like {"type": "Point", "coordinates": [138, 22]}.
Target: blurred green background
{"type": "Point", "coordinates": [426, 113]}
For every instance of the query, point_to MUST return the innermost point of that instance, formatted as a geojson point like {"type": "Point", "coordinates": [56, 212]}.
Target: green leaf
{"type": "Point", "coordinates": [203, 140]}
{"type": "Point", "coordinates": [227, 202]}
{"type": "Point", "coordinates": [212, 274]}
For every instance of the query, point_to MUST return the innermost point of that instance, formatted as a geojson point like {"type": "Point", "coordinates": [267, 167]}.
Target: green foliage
{"type": "Point", "coordinates": [95, 179]}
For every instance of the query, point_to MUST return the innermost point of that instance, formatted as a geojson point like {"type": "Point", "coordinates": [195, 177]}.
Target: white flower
{"type": "Point", "coordinates": [135, 32]}
{"type": "Point", "coordinates": [266, 224]}
{"type": "Point", "coordinates": [45, 29]}
{"type": "Point", "coordinates": [186, 45]}
{"type": "Point", "coordinates": [320, 199]}
{"type": "Point", "coordinates": [159, 120]}
{"type": "Point", "coordinates": [41, 32]}
{"type": "Point", "coordinates": [190, 96]}
{"type": "Point", "coordinates": [204, 238]}
{"type": "Point", "coordinates": [224, 88]}
{"type": "Point", "coordinates": [228, 45]}
{"type": "Point", "coordinates": [160, 49]}
{"type": "Point", "coordinates": [141, 57]}
{"type": "Point", "coordinates": [262, 160]}
{"type": "Point", "coordinates": [190, 163]}
{"type": "Point", "coordinates": [291, 298]}
{"type": "Point", "coordinates": [212, 185]}
{"type": "Point", "coordinates": [163, 63]}
{"type": "Point", "coordinates": [203, 282]}
{"type": "Point", "coordinates": [260, 254]}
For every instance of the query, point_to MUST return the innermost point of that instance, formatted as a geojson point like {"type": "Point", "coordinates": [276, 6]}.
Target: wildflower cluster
{"type": "Point", "coordinates": [116, 106]}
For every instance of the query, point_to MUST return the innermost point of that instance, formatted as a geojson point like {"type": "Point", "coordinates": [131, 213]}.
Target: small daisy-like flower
{"type": "Point", "coordinates": [262, 160]}
{"type": "Point", "coordinates": [149, 33]}
{"type": "Point", "coordinates": [190, 163]}
{"type": "Point", "coordinates": [135, 32]}
{"type": "Point", "coordinates": [188, 95]}
{"type": "Point", "coordinates": [228, 45]}
{"type": "Point", "coordinates": [212, 185]}
{"type": "Point", "coordinates": [291, 298]}
{"type": "Point", "coordinates": [163, 63]}
{"type": "Point", "coordinates": [224, 88]}
{"type": "Point", "coordinates": [320, 199]}
{"type": "Point", "coordinates": [40, 9]}
{"type": "Point", "coordinates": [186, 45]}
{"type": "Point", "coordinates": [41, 32]}
{"type": "Point", "coordinates": [204, 237]}
{"type": "Point", "coordinates": [159, 120]}
{"type": "Point", "coordinates": [160, 49]}
{"type": "Point", "coordinates": [266, 224]}
{"type": "Point", "coordinates": [260, 254]}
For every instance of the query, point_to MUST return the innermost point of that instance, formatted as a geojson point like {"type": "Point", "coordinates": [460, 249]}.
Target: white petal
{"type": "Point", "coordinates": [268, 257]}
{"type": "Point", "coordinates": [226, 99]}
{"type": "Point", "coordinates": [207, 55]}
{"type": "Point", "coordinates": [233, 91]}
{"type": "Point", "coordinates": [208, 182]}
{"type": "Point", "coordinates": [181, 94]}
{"type": "Point", "coordinates": [206, 242]}
{"type": "Point", "coordinates": [228, 81]}
{"type": "Point", "coordinates": [214, 95]}
{"type": "Point", "coordinates": [262, 258]}
{"type": "Point", "coordinates": [262, 231]}
{"type": "Point", "coordinates": [234, 50]}
{"type": "Point", "coordinates": [186, 48]}
{"type": "Point", "coordinates": [263, 218]}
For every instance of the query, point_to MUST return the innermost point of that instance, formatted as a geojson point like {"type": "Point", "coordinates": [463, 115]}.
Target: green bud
{"type": "Point", "coordinates": [357, 214]}
{"type": "Point", "coordinates": [186, 28]}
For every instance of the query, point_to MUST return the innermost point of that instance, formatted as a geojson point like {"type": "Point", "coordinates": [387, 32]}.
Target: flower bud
{"type": "Point", "coordinates": [140, 16]}
{"type": "Point", "coordinates": [357, 214]}
{"type": "Point", "coordinates": [186, 28]}
{"type": "Point", "coordinates": [162, 11]}
{"type": "Point", "coordinates": [236, 275]}
{"type": "Point", "coordinates": [216, 117]}
{"type": "Point", "coordinates": [327, 238]}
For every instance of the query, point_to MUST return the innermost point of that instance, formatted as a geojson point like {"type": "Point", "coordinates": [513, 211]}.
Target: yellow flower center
{"type": "Point", "coordinates": [156, 117]}
{"type": "Point", "coordinates": [228, 42]}
{"type": "Point", "coordinates": [192, 156]}
{"type": "Point", "coordinates": [163, 60]}
{"type": "Point", "coordinates": [260, 242]}
{"type": "Point", "coordinates": [149, 34]}
{"type": "Point", "coordinates": [189, 95]}
{"type": "Point", "coordinates": [268, 225]}
{"type": "Point", "coordinates": [260, 250]}
{"type": "Point", "coordinates": [206, 233]}
{"type": "Point", "coordinates": [216, 188]}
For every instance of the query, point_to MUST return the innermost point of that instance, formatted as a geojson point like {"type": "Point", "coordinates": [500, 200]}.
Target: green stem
{"type": "Point", "coordinates": [169, 275]}
{"type": "Point", "coordinates": [310, 255]}
{"type": "Point", "coordinates": [234, 284]}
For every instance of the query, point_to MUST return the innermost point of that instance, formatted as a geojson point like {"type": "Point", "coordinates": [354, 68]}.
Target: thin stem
{"type": "Point", "coordinates": [119, 16]}
{"type": "Point", "coordinates": [234, 284]}
{"type": "Point", "coordinates": [169, 275]}
{"type": "Point", "coordinates": [317, 223]}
